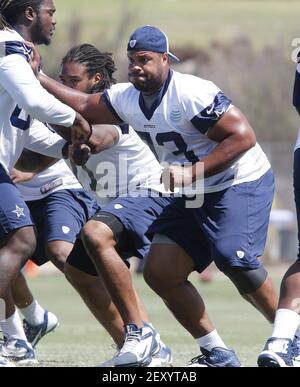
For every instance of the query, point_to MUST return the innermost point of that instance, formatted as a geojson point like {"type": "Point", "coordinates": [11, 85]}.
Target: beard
{"type": "Point", "coordinates": [39, 36]}
{"type": "Point", "coordinates": [143, 84]}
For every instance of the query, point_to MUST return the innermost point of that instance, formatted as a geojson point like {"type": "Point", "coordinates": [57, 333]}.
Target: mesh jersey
{"type": "Point", "coordinates": [43, 140]}
{"type": "Point", "coordinates": [176, 125]}
{"type": "Point", "coordinates": [19, 89]}
{"type": "Point", "coordinates": [126, 167]}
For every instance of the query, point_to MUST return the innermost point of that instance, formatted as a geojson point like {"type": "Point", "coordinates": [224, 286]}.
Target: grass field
{"type": "Point", "coordinates": [80, 341]}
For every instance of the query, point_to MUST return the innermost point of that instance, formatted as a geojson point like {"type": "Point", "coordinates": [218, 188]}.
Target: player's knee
{"type": "Point", "coordinates": [58, 255]}
{"type": "Point", "coordinates": [246, 280]}
{"type": "Point", "coordinates": [97, 236]}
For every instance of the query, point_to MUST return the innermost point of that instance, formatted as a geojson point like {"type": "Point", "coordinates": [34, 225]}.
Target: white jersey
{"type": "Point", "coordinates": [127, 167]}
{"type": "Point", "coordinates": [177, 124]}
{"type": "Point", "coordinates": [22, 97]}
{"type": "Point", "coordinates": [57, 177]}
{"type": "Point", "coordinates": [53, 179]}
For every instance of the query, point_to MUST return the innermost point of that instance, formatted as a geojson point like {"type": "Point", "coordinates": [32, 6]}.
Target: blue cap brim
{"type": "Point", "coordinates": [173, 58]}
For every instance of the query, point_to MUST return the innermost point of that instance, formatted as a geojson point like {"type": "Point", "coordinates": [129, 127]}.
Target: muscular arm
{"type": "Point", "coordinates": [18, 80]}
{"type": "Point", "coordinates": [234, 135]}
{"type": "Point", "coordinates": [91, 106]}
{"type": "Point", "coordinates": [34, 162]}
{"type": "Point", "coordinates": [103, 137]}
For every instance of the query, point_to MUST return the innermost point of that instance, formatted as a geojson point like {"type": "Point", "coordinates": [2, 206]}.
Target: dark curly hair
{"type": "Point", "coordinates": [95, 62]}
{"type": "Point", "coordinates": [10, 10]}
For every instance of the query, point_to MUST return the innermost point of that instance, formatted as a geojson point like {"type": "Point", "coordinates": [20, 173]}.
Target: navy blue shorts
{"type": "Point", "coordinates": [297, 191]}
{"type": "Point", "coordinates": [14, 213]}
{"type": "Point", "coordinates": [136, 214]}
{"type": "Point", "coordinates": [229, 229]}
{"type": "Point", "coordinates": [60, 217]}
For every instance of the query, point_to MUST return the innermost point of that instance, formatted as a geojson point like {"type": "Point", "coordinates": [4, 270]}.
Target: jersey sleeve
{"type": "Point", "coordinates": [296, 92]}
{"type": "Point", "coordinates": [17, 78]}
{"type": "Point", "coordinates": [42, 139]}
{"type": "Point", "coordinates": [116, 98]}
{"type": "Point", "coordinates": [205, 104]}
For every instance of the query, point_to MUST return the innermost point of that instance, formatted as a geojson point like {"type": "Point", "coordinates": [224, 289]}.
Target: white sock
{"type": "Point", "coordinates": [211, 341]}
{"type": "Point", "coordinates": [12, 327]}
{"type": "Point", "coordinates": [286, 324]}
{"type": "Point", "coordinates": [33, 313]}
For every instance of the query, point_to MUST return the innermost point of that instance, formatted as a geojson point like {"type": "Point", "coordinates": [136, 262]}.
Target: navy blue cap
{"type": "Point", "coordinates": [149, 38]}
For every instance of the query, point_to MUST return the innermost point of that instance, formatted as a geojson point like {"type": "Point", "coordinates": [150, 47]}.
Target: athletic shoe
{"type": "Point", "coordinates": [163, 358]}
{"type": "Point", "coordinates": [34, 333]}
{"type": "Point", "coordinates": [296, 351]}
{"type": "Point", "coordinates": [278, 352]}
{"type": "Point", "coordinates": [19, 351]}
{"type": "Point", "coordinates": [139, 346]}
{"type": "Point", "coordinates": [111, 362]}
{"type": "Point", "coordinates": [217, 357]}
{"type": "Point", "coordinates": [5, 362]}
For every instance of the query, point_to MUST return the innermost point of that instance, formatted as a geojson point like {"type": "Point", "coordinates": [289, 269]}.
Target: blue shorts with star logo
{"type": "Point", "coordinates": [14, 213]}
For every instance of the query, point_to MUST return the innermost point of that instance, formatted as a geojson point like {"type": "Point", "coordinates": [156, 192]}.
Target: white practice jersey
{"type": "Point", "coordinates": [22, 98]}
{"type": "Point", "coordinates": [127, 167]}
{"type": "Point", "coordinates": [43, 140]}
{"type": "Point", "coordinates": [176, 125]}
{"type": "Point", "coordinates": [53, 179]}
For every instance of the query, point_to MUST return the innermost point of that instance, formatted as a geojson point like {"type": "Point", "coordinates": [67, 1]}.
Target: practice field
{"type": "Point", "coordinates": [80, 341]}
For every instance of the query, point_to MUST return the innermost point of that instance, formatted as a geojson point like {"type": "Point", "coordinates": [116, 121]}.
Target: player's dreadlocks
{"type": "Point", "coordinates": [95, 62]}
{"type": "Point", "coordinates": [10, 10]}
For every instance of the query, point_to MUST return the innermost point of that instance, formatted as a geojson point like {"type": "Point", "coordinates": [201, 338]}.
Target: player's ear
{"type": "Point", "coordinates": [30, 14]}
{"type": "Point", "coordinates": [97, 78]}
{"type": "Point", "coordinates": [165, 57]}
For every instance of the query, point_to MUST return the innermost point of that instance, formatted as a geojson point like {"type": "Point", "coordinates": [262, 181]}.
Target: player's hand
{"type": "Point", "coordinates": [81, 130]}
{"type": "Point", "coordinates": [35, 58]}
{"type": "Point", "coordinates": [21, 177]}
{"type": "Point", "coordinates": [177, 176]}
{"type": "Point", "coordinates": [79, 153]}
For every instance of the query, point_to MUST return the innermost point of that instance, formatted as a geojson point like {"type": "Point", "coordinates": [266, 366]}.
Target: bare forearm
{"type": "Point", "coordinates": [224, 155]}
{"type": "Point", "coordinates": [34, 162]}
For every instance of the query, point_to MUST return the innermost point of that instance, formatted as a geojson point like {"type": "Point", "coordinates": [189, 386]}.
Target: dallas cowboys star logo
{"type": "Point", "coordinates": [19, 211]}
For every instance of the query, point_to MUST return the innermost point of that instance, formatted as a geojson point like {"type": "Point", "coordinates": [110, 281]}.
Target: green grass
{"type": "Point", "coordinates": [80, 341]}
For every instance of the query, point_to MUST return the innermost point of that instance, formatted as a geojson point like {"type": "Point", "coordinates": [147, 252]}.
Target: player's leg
{"type": "Point", "coordinates": [102, 236]}
{"type": "Point", "coordinates": [17, 237]}
{"type": "Point", "coordinates": [37, 321]}
{"type": "Point", "coordinates": [21, 293]}
{"type": "Point", "coordinates": [242, 215]}
{"type": "Point", "coordinates": [285, 335]}
{"type": "Point", "coordinates": [59, 218]}
{"type": "Point", "coordinates": [184, 301]}
{"type": "Point", "coordinates": [179, 238]}
{"type": "Point", "coordinates": [82, 274]}
{"type": "Point", "coordinates": [100, 243]}
{"type": "Point", "coordinates": [16, 346]}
